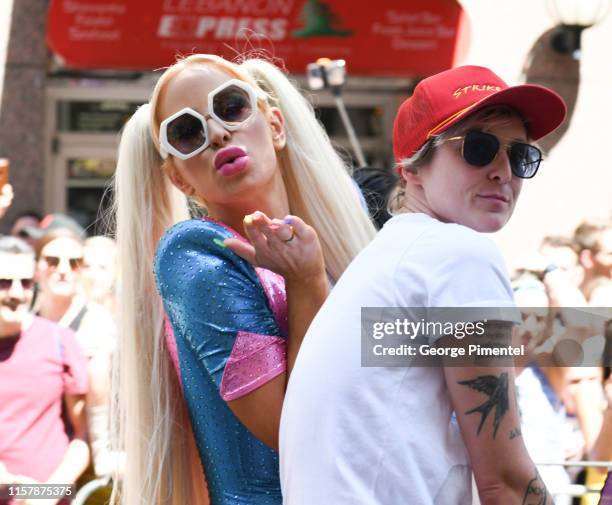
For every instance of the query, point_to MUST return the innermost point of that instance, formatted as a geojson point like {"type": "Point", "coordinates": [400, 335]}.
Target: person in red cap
{"type": "Point", "coordinates": [370, 417]}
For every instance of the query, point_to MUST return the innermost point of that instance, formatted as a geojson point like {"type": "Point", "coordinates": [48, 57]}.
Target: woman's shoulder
{"type": "Point", "coordinates": [199, 231]}
{"type": "Point", "coordinates": [193, 237]}
{"type": "Point", "coordinates": [194, 249]}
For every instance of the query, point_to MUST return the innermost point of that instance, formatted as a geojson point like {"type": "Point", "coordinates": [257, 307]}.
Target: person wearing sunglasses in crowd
{"type": "Point", "coordinates": [241, 141]}
{"type": "Point", "coordinates": [42, 370]}
{"type": "Point", "coordinates": [388, 435]}
{"type": "Point", "coordinates": [61, 298]}
{"type": "Point", "coordinates": [60, 253]}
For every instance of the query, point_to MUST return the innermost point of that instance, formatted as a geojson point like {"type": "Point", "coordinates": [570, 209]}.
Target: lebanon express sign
{"type": "Point", "coordinates": [384, 38]}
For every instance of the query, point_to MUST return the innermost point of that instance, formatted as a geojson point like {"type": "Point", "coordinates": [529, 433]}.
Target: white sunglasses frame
{"type": "Point", "coordinates": [165, 148]}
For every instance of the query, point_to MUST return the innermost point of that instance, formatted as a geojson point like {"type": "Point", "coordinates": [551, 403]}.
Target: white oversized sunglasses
{"type": "Point", "coordinates": [185, 133]}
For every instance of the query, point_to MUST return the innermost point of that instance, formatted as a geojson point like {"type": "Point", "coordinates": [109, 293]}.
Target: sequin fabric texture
{"type": "Point", "coordinates": [228, 324]}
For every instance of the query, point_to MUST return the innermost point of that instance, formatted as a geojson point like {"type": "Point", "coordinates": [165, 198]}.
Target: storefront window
{"type": "Point", "coordinates": [88, 195]}
{"type": "Point", "coordinates": [89, 168]}
{"type": "Point", "coordinates": [94, 116]}
{"type": "Point", "coordinates": [90, 207]}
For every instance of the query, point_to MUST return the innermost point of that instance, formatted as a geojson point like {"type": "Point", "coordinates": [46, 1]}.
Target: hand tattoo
{"type": "Point", "coordinates": [536, 493]}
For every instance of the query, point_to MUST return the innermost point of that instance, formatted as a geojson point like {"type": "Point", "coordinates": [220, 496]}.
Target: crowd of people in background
{"type": "Point", "coordinates": [565, 289]}
{"type": "Point", "coordinates": [59, 333]}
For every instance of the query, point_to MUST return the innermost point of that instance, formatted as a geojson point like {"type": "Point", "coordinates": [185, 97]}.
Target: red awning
{"type": "Point", "coordinates": [377, 38]}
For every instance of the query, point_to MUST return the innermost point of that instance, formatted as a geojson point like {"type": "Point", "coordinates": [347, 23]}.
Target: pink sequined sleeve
{"type": "Point", "coordinates": [235, 322]}
{"type": "Point", "coordinates": [171, 345]}
{"type": "Point", "coordinates": [255, 360]}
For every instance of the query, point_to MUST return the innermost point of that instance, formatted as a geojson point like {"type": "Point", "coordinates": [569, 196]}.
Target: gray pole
{"type": "Point", "coordinates": [349, 129]}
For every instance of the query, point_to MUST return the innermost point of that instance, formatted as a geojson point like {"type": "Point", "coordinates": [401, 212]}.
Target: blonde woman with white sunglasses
{"type": "Point", "coordinates": [242, 141]}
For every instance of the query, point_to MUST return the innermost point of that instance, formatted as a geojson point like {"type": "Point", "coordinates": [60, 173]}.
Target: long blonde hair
{"type": "Point", "coordinates": [154, 430]}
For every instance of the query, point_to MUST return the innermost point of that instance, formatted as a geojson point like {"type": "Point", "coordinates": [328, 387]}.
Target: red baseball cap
{"type": "Point", "coordinates": [442, 100]}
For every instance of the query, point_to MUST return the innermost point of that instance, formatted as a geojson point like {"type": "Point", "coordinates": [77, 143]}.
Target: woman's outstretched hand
{"type": "Point", "coordinates": [6, 198]}
{"type": "Point", "coordinates": [287, 246]}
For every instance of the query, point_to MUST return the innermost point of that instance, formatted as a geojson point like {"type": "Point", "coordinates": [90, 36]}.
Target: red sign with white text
{"type": "Point", "coordinates": [377, 38]}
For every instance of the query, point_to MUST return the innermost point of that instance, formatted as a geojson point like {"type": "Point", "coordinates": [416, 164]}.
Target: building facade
{"type": "Point", "coordinates": [59, 125]}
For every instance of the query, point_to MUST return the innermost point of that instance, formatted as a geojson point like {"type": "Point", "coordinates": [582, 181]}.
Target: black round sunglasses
{"type": "Point", "coordinates": [480, 148]}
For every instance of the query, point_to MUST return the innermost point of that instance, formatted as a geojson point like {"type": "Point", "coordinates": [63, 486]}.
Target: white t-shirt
{"type": "Point", "coordinates": [352, 435]}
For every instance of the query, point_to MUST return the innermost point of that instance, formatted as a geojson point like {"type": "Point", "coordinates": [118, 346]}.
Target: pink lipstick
{"type": "Point", "coordinates": [231, 160]}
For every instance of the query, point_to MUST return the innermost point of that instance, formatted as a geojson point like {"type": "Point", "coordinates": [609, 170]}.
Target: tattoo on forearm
{"type": "Point", "coordinates": [516, 432]}
{"type": "Point", "coordinates": [536, 493]}
{"type": "Point", "coordinates": [496, 388]}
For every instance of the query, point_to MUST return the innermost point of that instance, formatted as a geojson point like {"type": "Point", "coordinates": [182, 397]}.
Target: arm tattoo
{"type": "Point", "coordinates": [535, 493]}
{"type": "Point", "coordinates": [496, 388]}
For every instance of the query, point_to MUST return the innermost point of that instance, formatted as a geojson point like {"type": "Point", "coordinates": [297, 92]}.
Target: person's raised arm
{"type": "Point", "coordinates": [6, 198]}
{"type": "Point", "coordinates": [485, 403]}
{"type": "Point", "coordinates": [232, 319]}
{"type": "Point", "coordinates": [290, 248]}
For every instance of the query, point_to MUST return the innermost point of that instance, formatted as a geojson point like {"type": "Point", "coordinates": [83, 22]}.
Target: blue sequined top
{"type": "Point", "coordinates": [209, 295]}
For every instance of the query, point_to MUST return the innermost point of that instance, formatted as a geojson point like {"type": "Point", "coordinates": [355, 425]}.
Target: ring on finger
{"type": "Point", "coordinates": [291, 237]}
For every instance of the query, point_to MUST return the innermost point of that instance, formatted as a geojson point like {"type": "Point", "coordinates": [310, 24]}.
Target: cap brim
{"type": "Point", "coordinates": [542, 109]}
{"type": "Point", "coordinates": [33, 232]}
